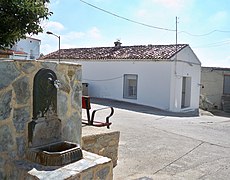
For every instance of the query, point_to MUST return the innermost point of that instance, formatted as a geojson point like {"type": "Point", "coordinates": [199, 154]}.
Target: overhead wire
{"type": "Point", "coordinates": [127, 19]}
{"type": "Point", "coordinates": [165, 29]}
{"type": "Point", "coordinates": [216, 44]}
{"type": "Point", "coordinates": [206, 34]}
{"type": "Point", "coordinates": [110, 79]}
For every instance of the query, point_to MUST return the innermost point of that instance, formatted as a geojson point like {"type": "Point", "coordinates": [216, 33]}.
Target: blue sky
{"type": "Point", "coordinates": [81, 25]}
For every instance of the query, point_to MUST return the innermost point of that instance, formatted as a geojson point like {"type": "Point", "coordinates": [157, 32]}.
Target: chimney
{"type": "Point", "coordinates": [117, 43]}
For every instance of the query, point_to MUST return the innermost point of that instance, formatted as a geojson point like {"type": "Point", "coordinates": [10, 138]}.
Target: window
{"type": "Point", "coordinates": [130, 86]}
{"type": "Point", "coordinates": [226, 84]}
{"type": "Point", "coordinates": [32, 54]}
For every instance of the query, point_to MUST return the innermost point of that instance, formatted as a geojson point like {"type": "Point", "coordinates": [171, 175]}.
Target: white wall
{"type": "Point", "coordinates": [159, 82]}
{"type": "Point", "coordinates": [184, 69]}
{"type": "Point", "coordinates": [186, 65]}
{"type": "Point", "coordinates": [187, 55]}
{"type": "Point", "coordinates": [28, 45]}
{"type": "Point", "coordinates": [105, 80]}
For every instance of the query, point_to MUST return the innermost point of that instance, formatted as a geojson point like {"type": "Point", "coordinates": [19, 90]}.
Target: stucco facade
{"type": "Point", "coordinates": [30, 46]}
{"type": "Point", "coordinates": [158, 85]}
{"type": "Point", "coordinates": [162, 76]}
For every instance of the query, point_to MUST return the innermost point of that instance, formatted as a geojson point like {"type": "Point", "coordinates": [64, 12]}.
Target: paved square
{"type": "Point", "coordinates": [161, 145]}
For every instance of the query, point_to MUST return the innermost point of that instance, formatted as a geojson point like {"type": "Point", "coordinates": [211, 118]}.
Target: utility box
{"type": "Point", "coordinates": [85, 89]}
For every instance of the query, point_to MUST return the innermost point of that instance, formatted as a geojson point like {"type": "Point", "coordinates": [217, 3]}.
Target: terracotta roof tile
{"type": "Point", "coordinates": [155, 52]}
{"type": "Point", "coordinates": [11, 52]}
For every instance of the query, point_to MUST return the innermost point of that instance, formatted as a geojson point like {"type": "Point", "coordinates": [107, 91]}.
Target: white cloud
{"type": "Point", "coordinates": [73, 35]}
{"type": "Point", "coordinates": [54, 26]}
{"type": "Point", "coordinates": [71, 39]}
{"type": "Point", "coordinates": [94, 33]}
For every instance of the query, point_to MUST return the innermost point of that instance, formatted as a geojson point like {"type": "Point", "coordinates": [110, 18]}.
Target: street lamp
{"type": "Point", "coordinates": [59, 41]}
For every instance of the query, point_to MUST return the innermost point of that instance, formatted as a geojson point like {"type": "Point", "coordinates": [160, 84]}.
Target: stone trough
{"type": "Point", "coordinates": [56, 154]}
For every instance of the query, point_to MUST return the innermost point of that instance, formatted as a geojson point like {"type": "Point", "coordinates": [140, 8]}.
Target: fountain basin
{"type": "Point", "coordinates": [55, 154]}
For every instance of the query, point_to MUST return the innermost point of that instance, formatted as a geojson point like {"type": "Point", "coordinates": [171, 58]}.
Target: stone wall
{"type": "Point", "coordinates": [101, 141]}
{"type": "Point", "coordinates": [91, 167]}
{"type": "Point", "coordinates": [16, 106]}
{"type": "Point", "coordinates": [212, 88]}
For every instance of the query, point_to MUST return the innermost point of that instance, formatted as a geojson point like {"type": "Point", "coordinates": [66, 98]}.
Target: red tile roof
{"type": "Point", "coordinates": [155, 52]}
{"type": "Point", "coordinates": [11, 52]}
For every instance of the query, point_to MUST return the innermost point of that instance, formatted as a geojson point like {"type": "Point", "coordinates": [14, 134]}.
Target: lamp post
{"type": "Point", "coordinates": [59, 43]}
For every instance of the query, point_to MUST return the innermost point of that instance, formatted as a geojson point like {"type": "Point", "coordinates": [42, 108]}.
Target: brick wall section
{"type": "Point", "coordinates": [101, 141]}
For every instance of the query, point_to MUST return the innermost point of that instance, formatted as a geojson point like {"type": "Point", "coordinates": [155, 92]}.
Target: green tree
{"type": "Point", "coordinates": [21, 17]}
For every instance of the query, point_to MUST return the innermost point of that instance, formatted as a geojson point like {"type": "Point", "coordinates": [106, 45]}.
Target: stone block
{"type": "Point", "coordinates": [78, 74]}
{"type": "Point", "coordinates": [87, 176]}
{"type": "Point", "coordinates": [62, 106]}
{"type": "Point", "coordinates": [28, 68]}
{"type": "Point", "coordinates": [6, 139]}
{"type": "Point", "coordinates": [50, 65]}
{"type": "Point", "coordinates": [72, 129]}
{"type": "Point", "coordinates": [44, 131]}
{"type": "Point", "coordinates": [5, 107]}
{"type": "Point", "coordinates": [90, 168]}
{"type": "Point", "coordinates": [8, 73]}
{"type": "Point", "coordinates": [75, 99]}
{"type": "Point", "coordinates": [101, 141]}
{"type": "Point", "coordinates": [22, 90]}
{"type": "Point", "coordinates": [21, 145]}
{"type": "Point", "coordinates": [103, 173]}
{"type": "Point", "coordinates": [2, 174]}
{"type": "Point", "coordinates": [21, 117]}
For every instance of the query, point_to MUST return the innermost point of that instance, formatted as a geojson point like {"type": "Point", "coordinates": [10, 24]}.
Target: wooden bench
{"type": "Point", "coordinates": [90, 117]}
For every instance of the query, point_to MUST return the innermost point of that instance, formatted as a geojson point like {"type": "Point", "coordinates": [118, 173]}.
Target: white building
{"type": "Point", "coordinates": [28, 48]}
{"type": "Point", "coordinates": [161, 76]}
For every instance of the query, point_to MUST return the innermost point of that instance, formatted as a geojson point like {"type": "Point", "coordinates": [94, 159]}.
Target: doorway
{"type": "Point", "coordinates": [186, 92]}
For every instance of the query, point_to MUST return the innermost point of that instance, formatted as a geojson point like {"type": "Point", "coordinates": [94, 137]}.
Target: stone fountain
{"type": "Point", "coordinates": [44, 131]}
{"type": "Point", "coordinates": [40, 123]}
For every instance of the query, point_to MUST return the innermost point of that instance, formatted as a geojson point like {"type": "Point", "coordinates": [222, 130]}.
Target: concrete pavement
{"type": "Point", "coordinates": [160, 145]}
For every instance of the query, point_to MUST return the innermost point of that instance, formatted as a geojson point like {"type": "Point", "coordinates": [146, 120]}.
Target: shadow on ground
{"type": "Point", "coordinates": [141, 108]}
{"type": "Point", "coordinates": [220, 113]}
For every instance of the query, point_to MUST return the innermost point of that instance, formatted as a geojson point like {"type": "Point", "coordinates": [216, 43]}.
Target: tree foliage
{"type": "Point", "coordinates": [21, 17]}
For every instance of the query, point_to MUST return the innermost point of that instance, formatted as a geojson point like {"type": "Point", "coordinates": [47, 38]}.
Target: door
{"type": "Point", "coordinates": [186, 92]}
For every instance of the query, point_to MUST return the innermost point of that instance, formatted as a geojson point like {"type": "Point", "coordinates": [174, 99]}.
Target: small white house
{"type": "Point", "coordinates": [161, 76]}
{"type": "Point", "coordinates": [30, 47]}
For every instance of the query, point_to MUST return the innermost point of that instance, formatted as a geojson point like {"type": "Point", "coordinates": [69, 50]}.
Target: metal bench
{"type": "Point", "coordinates": [90, 117]}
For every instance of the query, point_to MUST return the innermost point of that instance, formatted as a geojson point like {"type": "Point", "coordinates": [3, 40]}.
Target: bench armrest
{"type": "Point", "coordinates": [107, 117]}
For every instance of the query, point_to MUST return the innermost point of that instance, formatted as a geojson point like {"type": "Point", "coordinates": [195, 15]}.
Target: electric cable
{"type": "Point", "coordinates": [110, 79]}
{"type": "Point", "coordinates": [206, 34]}
{"type": "Point", "coordinates": [216, 44]}
{"type": "Point", "coordinates": [127, 19]}
{"type": "Point", "coordinates": [151, 26]}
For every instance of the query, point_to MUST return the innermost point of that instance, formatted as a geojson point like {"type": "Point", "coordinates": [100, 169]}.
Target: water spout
{"type": "Point", "coordinates": [57, 84]}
